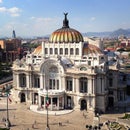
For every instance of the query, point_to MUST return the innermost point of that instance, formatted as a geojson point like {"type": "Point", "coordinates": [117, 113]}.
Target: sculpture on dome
{"type": "Point", "coordinates": [65, 15]}
{"type": "Point", "coordinates": [65, 21]}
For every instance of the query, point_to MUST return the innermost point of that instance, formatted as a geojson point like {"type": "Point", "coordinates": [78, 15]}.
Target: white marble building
{"type": "Point", "coordinates": [71, 70]}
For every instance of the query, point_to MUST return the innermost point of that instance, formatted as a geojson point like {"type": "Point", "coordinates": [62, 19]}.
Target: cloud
{"type": "Point", "coordinates": [14, 11]}
{"type": "Point", "coordinates": [1, 1]}
{"type": "Point", "coordinates": [3, 9]}
{"type": "Point", "coordinates": [43, 25]}
{"type": "Point", "coordinates": [40, 19]}
{"type": "Point", "coordinates": [92, 19]}
{"type": "Point", "coordinates": [34, 26]}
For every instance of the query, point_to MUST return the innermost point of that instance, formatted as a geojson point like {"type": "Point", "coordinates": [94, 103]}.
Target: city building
{"type": "Point", "coordinates": [70, 72]}
{"type": "Point", "coordinates": [10, 49]}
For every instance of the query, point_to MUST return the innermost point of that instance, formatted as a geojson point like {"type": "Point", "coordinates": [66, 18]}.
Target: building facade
{"type": "Point", "coordinates": [71, 72]}
{"type": "Point", "coordinates": [10, 49]}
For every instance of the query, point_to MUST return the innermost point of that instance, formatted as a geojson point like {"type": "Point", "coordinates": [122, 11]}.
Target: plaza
{"type": "Point", "coordinates": [22, 118]}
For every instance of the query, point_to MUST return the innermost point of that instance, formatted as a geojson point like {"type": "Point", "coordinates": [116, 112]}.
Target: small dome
{"type": "Point", "coordinates": [91, 49]}
{"type": "Point", "coordinates": [38, 50]}
{"type": "Point", "coordinates": [66, 34]}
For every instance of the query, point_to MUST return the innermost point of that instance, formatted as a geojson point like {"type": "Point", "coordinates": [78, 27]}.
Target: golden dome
{"type": "Point", "coordinates": [66, 34]}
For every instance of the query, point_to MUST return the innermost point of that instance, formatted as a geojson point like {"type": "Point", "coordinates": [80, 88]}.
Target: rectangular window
{"type": "Point", "coordinates": [22, 80]}
{"type": "Point", "coordinates": [50, 83]}
{"type": "Point", "coordinates": [110, 82]}
{"type": "Point", "coordinates": [23, 83]}
{"type": "Point", "coordinates": [89, 62]}
{"type": "Point", "coordinates": [69, 85]}
{"type": "Point", "coordinates": [36, 82]}
{"type": "Point", "coordinates": [56, 51]}
{"type": "Point", "coordinates": [57, 84]}
{"type": "Point", "coordinates": [46, 50]}
{"type": "Point", "coordinates": [53, 83]}
{"type": "Point", "coordinates": [83, 85]}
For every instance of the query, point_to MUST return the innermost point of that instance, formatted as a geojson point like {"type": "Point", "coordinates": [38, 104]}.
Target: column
{"type": "Point", "coordinates": [89, 89]}
{"type": "Point", "coordinates": [51, 103]}
{"type": "Point", "coordinates": [74, 85]}
{"type": "Point", "coordinates": [41, 81]}
{"type": "Point", "coordinates": [27, 81]}
{"type": "Point", "coordinates": [92, 85]}
{"type": "Point", "coordinates": [58, 48]}
{"type": "Point", "coordinates": [43, 49]}
{"type": "Point", "coordinates": [44, 102]}
{"type": "Point", "coordinates": [58, 103]}
{"type": "Point", "coordinates": [63, 49]}
{"type": "Point", "coordinates": [63, 102]}
{"type": "Point", "coordinates": [62, 84]}
{"type": "Point", "coordinates": [18, 83]}
{"type": "Point", "coordinates": [30, 80]}
{"type": "Point", "coordinates": [77, 85]}
{"type": "Point", "coordinates": [45, 82]}
{"type": "Point", "coordinates": [39, 100]}
{"type": "Point", "coordinates": [103, 85]}
{"type": "Point", "coordinates": [74, 49]}
{"type": "Point", "coordinates": [32, 98]}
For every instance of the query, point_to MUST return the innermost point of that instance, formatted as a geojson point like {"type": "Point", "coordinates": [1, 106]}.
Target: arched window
{"type": "Point", "coordinates": [61, 50]}
{"type": "Point", "coordinates": [77, 51]}
{"type": "Point", "coordinates": [56, 51]}
{"type": "Point", "coordinates": [53, 79]}
{"type": "Point", "coordinates": [83, 68]}
{"type": "Point", "coordinates": [83, 85]}
{"type": "Point", "coordinates": [53, 69]}
{"type": "Point", "coordinates": [51, 51]}
{"type": "Point", "coordinates": [71, 51]}
{"type": "Point", "coordinates": [66, 51]}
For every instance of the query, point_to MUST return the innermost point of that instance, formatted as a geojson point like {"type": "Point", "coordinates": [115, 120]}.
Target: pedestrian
{"type": "Point", "coordinates": [33, 126]}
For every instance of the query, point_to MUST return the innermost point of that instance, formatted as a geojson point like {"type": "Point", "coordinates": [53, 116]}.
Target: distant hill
{"type": "Point", "coordinates": [125, 32]}
{"type": "Point", "coordinates": [97, 34]}
{"type": "Point", "coordinates": [116, 33]}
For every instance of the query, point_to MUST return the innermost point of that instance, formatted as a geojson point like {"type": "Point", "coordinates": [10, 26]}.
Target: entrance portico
{"type": "Point", "coordinates": [55, 97]}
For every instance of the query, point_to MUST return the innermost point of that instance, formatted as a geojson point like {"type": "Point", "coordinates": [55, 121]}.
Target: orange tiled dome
{"type": "Point", "coordinates": [91, 49]}
{"type": "Point", "coordinates": [66, 34]}
{"type": "Point", "coordinates": [38, 50]}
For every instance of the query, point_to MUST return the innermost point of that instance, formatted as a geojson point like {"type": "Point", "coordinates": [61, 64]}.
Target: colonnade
{"type": "Point", "coordinates": [55, 102]}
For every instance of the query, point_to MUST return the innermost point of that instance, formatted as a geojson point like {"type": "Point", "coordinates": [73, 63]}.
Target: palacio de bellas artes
{"type": "Point", "coordinates": [72, 70]}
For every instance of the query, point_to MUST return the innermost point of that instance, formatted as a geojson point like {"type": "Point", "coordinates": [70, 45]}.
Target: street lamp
{"type": "Point", "coordinates": [47, 125]}
{"type": "Point", "coordinates": [8, 124]}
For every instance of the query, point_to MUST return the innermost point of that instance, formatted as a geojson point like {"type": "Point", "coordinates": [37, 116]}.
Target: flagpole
{"type": "Point", "coordinates": [47, 118]}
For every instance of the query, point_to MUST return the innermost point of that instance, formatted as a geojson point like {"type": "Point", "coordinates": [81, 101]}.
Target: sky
{"type": "Point", "coordinates": [42, 17]}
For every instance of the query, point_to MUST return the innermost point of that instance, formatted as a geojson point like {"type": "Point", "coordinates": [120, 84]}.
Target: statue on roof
{"type": "Point", "coordinates": [65, 15]}
{"type": "Point", "coordinates": [65, 21]}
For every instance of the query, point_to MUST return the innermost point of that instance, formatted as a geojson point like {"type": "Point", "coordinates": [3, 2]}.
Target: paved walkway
{"type": "Point", "coordinates": [23, 117]}
{"type": "Point", "coordinates": [34, 108]}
